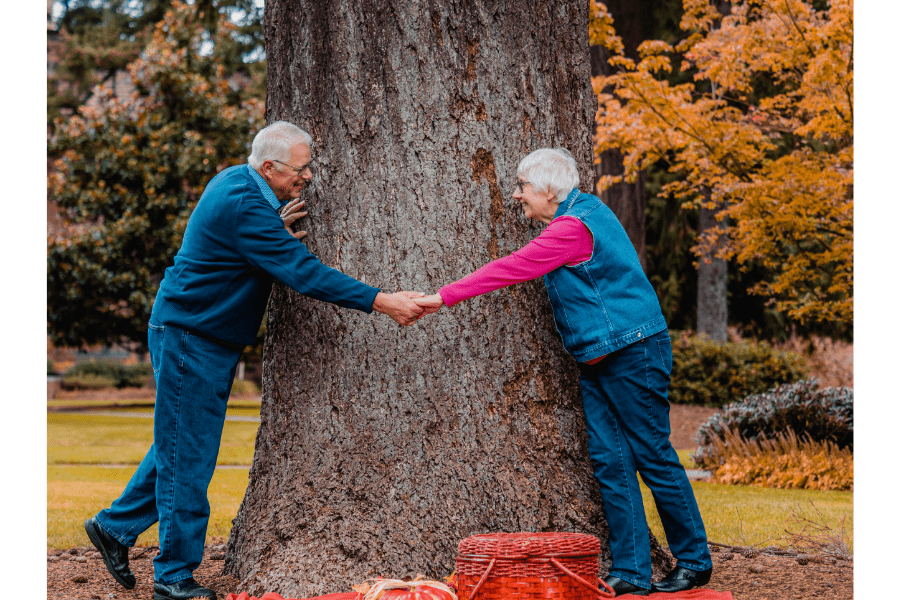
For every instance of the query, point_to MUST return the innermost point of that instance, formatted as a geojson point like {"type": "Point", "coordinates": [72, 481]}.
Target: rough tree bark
{"type": "Point", "coordinates": [381, 447]}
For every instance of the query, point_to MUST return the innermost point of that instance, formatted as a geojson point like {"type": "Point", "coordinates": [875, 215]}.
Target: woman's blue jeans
{"type": "Point", "coordinates": [193, 381]}
{"type": "Point", "coordinates": [626, 405]}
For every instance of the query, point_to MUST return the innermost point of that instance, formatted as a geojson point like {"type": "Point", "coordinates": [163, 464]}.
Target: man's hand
{"type": "Point", "coordinates": [290, 213]}
{"type": "Point", "coordinates": [431, 304]}
{"type": "Point", "coordinates": [399, 306]}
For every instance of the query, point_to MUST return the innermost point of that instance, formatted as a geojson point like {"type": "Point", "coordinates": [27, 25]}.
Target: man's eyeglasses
{"type": "Point", "coordinates": [520, 186]}
{"type": "Point", "coordinates": [298, 170]}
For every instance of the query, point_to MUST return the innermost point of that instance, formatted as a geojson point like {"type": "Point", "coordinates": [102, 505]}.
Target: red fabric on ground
{"type": "Point", "coordinates": [274, 596]}
{"type": "Point", "coordinates": [698, 594]}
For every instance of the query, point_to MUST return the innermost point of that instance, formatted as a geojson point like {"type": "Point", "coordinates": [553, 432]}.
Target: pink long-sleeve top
{"type": "Point", "coordinates": [565, 241]}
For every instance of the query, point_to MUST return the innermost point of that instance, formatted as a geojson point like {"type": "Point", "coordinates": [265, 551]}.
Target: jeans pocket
{"type": "Point", "coordinates": [155, 337]}
{"type": "Point", "coordinates": [665, 354]}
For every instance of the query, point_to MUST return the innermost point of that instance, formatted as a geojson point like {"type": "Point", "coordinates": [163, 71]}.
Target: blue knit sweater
{"type": "Point", "coordinates": [234, 246]}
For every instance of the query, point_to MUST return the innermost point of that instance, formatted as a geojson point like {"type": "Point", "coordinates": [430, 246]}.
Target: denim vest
{"type": "Point", "coordinates": [606, 302]}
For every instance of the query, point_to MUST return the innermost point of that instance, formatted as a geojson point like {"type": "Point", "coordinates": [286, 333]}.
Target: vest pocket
{"type": "Point", "coordinates": [559, 313]}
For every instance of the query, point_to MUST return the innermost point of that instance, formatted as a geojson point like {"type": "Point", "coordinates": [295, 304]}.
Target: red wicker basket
{"type": "Point", "coordinates": [529, 566]}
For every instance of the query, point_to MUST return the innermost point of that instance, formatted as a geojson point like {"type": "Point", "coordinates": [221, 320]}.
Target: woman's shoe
{"type": "Point", "coordinates": [680, 579]}
{"type": "Point", "coordinates": [622, 587]}
{"type": "Point", "coordinates": [186, 589]}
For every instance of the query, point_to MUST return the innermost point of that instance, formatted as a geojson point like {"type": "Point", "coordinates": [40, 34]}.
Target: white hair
{"type": "Point", "coordinates": [274, 142]}
{"type": "Point", "coordinates": [550, 170]}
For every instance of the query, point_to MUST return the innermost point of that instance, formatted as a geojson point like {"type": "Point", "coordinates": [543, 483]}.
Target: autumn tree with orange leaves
{"type": "Point", "coordinates": [763, 135]}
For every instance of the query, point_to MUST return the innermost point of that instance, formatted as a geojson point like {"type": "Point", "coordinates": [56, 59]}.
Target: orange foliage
{"type": "Point", "coordinates": [764, 133]}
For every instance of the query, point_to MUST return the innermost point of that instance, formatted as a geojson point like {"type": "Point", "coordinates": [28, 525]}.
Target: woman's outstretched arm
{"type": "Point", "coordinates": [565, 241]}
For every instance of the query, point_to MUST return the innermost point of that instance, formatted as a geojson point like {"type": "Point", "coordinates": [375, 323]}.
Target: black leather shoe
{"type": "Point", "coordinates": [182, 590]}
{"type": "Point", "coordinates": [622, 587]}
{"type": "Point", "coordinates": [115, 555]}
{"type": "Point", "coordinates": [680, 579]}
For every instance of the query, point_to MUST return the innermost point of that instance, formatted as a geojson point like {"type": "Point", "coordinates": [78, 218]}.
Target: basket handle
{"type": "Point", "coordinates": [483, 579]}
{"type": "Point", "coordinates": [593, 588]}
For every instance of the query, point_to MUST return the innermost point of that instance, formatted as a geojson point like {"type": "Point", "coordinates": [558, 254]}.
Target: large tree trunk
{"type": "Point", "coordinates": [381, 447]}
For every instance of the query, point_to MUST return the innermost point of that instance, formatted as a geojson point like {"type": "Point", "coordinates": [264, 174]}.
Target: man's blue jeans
{"type": "Point", "coordinates": [193, 381]}
{"type": "Point", "coordinates": [626, 405]}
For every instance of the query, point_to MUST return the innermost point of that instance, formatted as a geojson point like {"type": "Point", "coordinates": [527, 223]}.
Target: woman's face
{"type": "Point", "coordinates": [535, 205]}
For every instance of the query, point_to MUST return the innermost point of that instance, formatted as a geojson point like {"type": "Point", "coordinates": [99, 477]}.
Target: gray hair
{"type": "Point", "coordinates": [274, 142]}
{"type": "Point", "coordinates": [550, 170]}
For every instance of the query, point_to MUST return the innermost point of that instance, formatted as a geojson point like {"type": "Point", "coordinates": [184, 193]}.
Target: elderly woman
{"type": "Point", "coordinates": [609, 318]}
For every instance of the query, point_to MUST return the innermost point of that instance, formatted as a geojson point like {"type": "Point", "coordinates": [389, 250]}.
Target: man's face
{"type": "Point", "coordinates": [287, 182]}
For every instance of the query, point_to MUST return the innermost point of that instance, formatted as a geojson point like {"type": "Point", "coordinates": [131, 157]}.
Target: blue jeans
{"type": "Point", "coordinates": [626, 405]}
{"type": "Point", "coordinates": [193, 381]}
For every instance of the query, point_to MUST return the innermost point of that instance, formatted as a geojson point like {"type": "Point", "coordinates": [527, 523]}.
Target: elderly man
{"type": "Point", "coordinates": [208, 308]}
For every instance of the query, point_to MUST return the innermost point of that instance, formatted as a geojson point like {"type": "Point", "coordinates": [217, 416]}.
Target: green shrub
{"type": "Point", "coordinates": [136, 375]}
{"type": "Point", "coordinates": [820, 415]}
{"type": "Point", "coordinates": [707, 373]}
{"type": "Point", "coordinates": [119, 375]}
{"type": "Point", "coordinates": [243, 387]}
{"type": "Point", "coordinates": [51, 368]}
{"type": "Point", "coordinates": [89, 381]}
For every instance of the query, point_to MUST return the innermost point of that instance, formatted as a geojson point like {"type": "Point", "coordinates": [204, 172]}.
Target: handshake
{"type": "Point", "coordinates": [407, 307]}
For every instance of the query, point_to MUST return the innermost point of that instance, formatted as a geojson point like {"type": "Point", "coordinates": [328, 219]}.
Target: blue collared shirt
{"type": "Point", "coordinates": [267, 192]}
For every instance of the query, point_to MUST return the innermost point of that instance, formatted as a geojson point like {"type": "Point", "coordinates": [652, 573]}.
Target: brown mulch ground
{"type": "Point", "coordinates": [79, 573]}
{"type": "Point", "coordinates": [685, 421]}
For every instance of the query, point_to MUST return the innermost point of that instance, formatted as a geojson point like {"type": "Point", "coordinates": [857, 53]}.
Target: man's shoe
{"type": "Point", "coordinates": [115, 555]}
{"type": "Point", "coordinates": [181, 590]}
{"type": "Point", "coordinates": [680, 579]}
{"type": "Point", "coordinates": [622, 587]}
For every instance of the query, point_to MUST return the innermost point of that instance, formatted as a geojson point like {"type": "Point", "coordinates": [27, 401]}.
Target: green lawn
{"type": "Point", "coordinates": [76, 490]}
{"type": "Point", "coordinates": [77, 493]}
{"type": "Point", "coordinates": [97, 439]}
{"type": "Point", "coordinates": [145, 402]}
{"type": "Point", "coordinates": [743, 515]}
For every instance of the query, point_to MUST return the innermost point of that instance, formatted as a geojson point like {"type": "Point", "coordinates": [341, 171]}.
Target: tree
{"type": "Point", "coordinates": [637, 21]}
{"type": "Point", "coordinates": [627, 200]}
{"type": "Point", "coordinates": [380, 448]}
{"type": "Point", "coordinates": [763, 136]}
{"type": "Point", "coordinates": [101, 37]}
{"type": "Point", "coordinates": [129, 175]}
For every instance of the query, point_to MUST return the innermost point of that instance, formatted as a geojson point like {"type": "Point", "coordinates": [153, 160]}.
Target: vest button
{"type": "Point", "coordinates": [639, 334]}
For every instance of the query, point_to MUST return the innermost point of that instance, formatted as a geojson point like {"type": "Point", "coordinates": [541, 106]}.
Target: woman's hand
{"type": "Point", "coordinates": [431, 304]}
{"type": "Point", "coordinates": [400, 306]}
{"type": "Point", "coordinates": [290, 213]}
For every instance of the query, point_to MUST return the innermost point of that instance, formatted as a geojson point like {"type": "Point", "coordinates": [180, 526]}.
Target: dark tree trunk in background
{"type": "Point", "coordinates": [633, 23]}
{"type": "Point", "coordinates": [382, 447]}
{"type": "Point", "coordinates": [712, 272]}
{"type": "Point", "coordinates": [712, 287]}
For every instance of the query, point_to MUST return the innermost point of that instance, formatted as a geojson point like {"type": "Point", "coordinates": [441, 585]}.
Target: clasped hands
{"type": "Point", "coordinates": [407, 307]}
